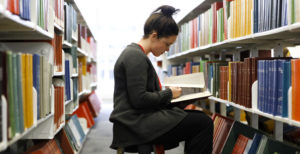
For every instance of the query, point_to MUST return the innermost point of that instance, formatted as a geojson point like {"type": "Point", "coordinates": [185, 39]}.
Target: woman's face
{"type": "Point", "coordinates": [160, 45]}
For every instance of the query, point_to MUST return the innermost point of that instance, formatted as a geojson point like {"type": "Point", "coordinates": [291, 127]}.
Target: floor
{"type": "Point", "coordinates": [100, 136]}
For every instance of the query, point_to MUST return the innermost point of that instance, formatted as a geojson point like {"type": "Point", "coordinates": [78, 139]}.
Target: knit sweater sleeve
{"type": "Point", "coordinates": [136, 68]}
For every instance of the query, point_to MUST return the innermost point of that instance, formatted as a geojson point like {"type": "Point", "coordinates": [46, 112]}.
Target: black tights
{"type": "Point", "coordinates": [196, 129]}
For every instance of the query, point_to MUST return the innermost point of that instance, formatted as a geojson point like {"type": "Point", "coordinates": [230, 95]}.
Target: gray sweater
{"type": "Point", "coordinates": [141, 112]}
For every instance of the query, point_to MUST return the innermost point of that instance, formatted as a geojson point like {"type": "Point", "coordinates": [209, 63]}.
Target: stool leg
{"type": "Point", "coordinates": [158, 149]}
{"type": "Point", "coordinates": [120, 150]}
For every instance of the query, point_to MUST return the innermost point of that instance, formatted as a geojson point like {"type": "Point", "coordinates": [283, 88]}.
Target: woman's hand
{"type": "Point", "coordinates": [176, 91]}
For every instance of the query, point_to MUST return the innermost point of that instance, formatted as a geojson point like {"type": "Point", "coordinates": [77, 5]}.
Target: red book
{"type": "Point", "coordinates": [240, 144]}
{"type": "Point", "coordinates": [84, 112]}
{"type": "Point", "coordinates": [65, 143]}
{"type": "Point", "coordinates": [94, 104]}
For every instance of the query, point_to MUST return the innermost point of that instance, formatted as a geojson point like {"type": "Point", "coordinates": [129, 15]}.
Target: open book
{"type": "Point", "coordinates": [194, 80]}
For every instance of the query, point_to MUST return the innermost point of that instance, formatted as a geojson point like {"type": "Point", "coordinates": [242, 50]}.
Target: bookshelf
{"type": "Point", "coordinates": [199, 40]}
{"type": "Point", "coordinates": [58, 36]}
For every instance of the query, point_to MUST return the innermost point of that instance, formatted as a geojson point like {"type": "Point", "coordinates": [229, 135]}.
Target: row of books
{"type": "Point", "coordinates": [86, 42]}
{"type": "Point", "coordinates": [235, 18]}
{"type": "Point", "coordinates": [87, 74]}
{"type": "Point", "coordinates": [59, 13]}
{"type": "Point", "coordinates": [70, 138]}
{"type": "Point", "coordinates": [186, 68]}
{"type": "Point", "coordinates": [274, 76]}
{"type": "Point", "coordinates": [70, 23]}
{"type": "Point", "coordinates": [38, 12]}
{"type": "Point", "coordinates": [59, 101]}
{"type": "Point", "coordinates": [233, 81]}
{"type": "Point", "coordinates": [234, 137]}
{"type": "Point", "coordinates": [26, 85]}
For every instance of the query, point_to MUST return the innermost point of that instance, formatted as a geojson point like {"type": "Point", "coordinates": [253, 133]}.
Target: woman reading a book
{"type": "Point", "coordinates": [142, 113]}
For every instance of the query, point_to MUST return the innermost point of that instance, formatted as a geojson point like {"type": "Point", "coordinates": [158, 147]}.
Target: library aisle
{"type": "Point", "coordinates": [100, 136]}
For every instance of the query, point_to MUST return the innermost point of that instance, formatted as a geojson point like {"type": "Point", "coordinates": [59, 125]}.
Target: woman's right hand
{"type": "Point", "coordinates": [176, 91]}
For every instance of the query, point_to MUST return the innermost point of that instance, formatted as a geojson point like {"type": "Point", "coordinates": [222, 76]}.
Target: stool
{"type": "Point", "coordinates": [146, 149]}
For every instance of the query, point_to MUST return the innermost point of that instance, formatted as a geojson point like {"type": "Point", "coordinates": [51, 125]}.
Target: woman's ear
{"type": "Point", "coordinates": [154, 35]}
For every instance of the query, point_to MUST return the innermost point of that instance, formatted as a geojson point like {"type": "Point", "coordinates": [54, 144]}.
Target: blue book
{"type": "Point", "coordinates": [255, 18]}
{"type": "Point", "coordinates": [256, 140]}
{"type": "Point", "coordinates": [36, 80]}
{"type": "Point", "coordinates": [266, 87]}
{"type": "Point", "coordinates": [78, 126]}
{"type": "Point", "coordinates": [67, 80]}
{"type": "Point", "coordinates": [286, 86]}
{"type": "Point", "coordinates": [284, 13]}
{"type": "Point", "coordinates": [280, 80]}
{"type": "Point", "coordinates": [260, 80]}
{"type": "Point", "coordinates": [274, 86]}
{"type": "Point", "coordinates": [268, 108]}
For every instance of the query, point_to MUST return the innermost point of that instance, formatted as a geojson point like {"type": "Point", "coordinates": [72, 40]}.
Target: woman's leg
{"type": "Point", "coordinates": [196, 129]}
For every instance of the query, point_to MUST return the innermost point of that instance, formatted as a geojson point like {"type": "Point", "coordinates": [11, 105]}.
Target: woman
{"type": "Point", "coordinates": [142, 112]}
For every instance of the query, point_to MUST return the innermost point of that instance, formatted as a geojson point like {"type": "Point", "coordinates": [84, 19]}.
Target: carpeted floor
{"type": "Point", "coordinates": [100, 136]}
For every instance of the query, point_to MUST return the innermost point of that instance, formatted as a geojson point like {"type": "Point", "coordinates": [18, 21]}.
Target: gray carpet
{"type": "Point", "coordinates": [100, 136]}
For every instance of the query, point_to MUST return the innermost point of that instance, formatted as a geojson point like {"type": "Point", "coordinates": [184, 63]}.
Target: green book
{"type": "Point", "coordinates": [11, 117]}
{"type": "Point", "coordinates": [16, 98]}
{"type": "Point", "coordinates": [19, 91]}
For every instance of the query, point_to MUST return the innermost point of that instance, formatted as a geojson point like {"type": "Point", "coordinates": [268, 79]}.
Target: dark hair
{"type": "Point", "coordinates": [161, 21]}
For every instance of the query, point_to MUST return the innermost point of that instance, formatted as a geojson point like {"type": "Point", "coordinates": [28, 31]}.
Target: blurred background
{"type": "Point", "coordinates": [117, 23]}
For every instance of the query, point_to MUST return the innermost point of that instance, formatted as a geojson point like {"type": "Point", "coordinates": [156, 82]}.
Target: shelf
{"type": "Point", "coordinates": [57, 74]}
{"type": "Point", "coordinates": [80, 18]}
{"type": "Point", "coordinates": [67, 44]}
{"type": "Point", "coordinates": [94, 84]}
{"type": "Point", "coordinates": [12, 27]}
{"type": "Point", "coordinates": [91, 60]}
{"type": "Point", "coordinates": [81, 93]}
{"type": "Point", "coordinates": [20, 136]}
{"type": "Point", "coordinates": [74, 39]}
{"type": "Point", "coordinates": [62, 125]}
{"type": "Point", "coordinates": [255, 111]}
{"type": "Point", "coordinates": [59, 28]}
{"type": "Point", "coordinates": [288, 34]}
{"type": "Point", "coordinates": [204, 6]}
{"type": "Point", "coordinates": [67, 102]}
{"type": "Point", "coordinates": [159, 58]}
{"type": "Point", "coordinates": [74, 75]}
{"type": "Point", "coordinates": [81, 52]}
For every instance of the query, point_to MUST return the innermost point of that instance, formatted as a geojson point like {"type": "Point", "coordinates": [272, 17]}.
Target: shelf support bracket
{"type": "Point", "coordinates": [278, 130]}
{"type": "Point", "coordinates": [254, 120]}
{"type": "Point", "coordinates": [223, 109]}
{"type": "Point", "coordinates": [253, 52]}
{"type": "Point", "coordinates": [278, 51]}
{"type": "Point", "coordinates": [212, 106]}
{"type": "Point", "coordinates": [237, 114]}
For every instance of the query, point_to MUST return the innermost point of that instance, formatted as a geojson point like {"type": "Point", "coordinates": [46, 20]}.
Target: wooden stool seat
{"type": "Point", "coordinates": [145, 149]}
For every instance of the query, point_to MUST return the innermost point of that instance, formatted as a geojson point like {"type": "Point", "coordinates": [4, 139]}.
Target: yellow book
{"type": "Point", "coordinates": [82, 60]}
{"type": "Point", "coordinates": [234, 19]}
{"type": "Point", "coordinates": [30, 90]}
{"type": "Point", "coordinates": [24, 88]}
{"type": "Point", "coordinates": [250, 16]}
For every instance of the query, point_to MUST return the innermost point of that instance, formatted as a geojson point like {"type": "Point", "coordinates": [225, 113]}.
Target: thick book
{"type": "Point", "coordinates": [221, 134]}
{"type": "Point", "coordinates": [194, 80]}
{"type": "Point", "coordinates": [94, 104]}
{"type": "Point", "coordinates": [236, 130]}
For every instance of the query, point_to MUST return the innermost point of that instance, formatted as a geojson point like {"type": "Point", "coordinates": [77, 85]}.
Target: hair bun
{"type": "Point", "coordinates": [166, 10]}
